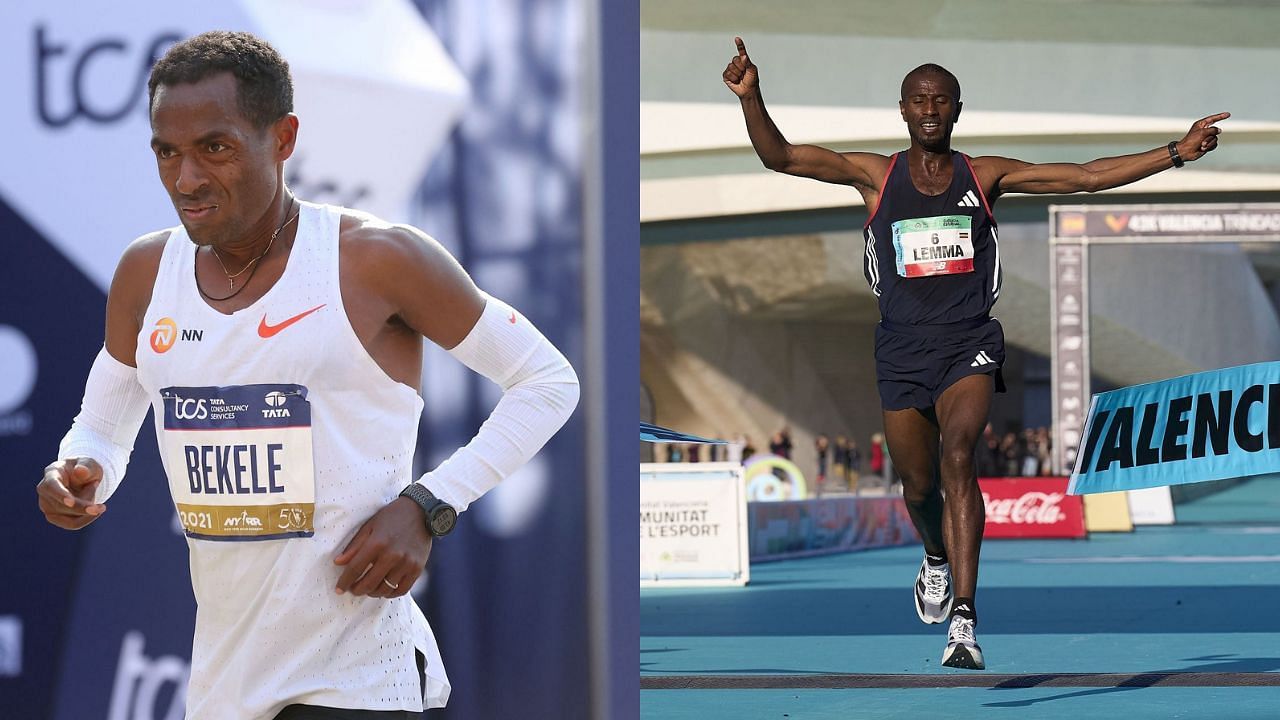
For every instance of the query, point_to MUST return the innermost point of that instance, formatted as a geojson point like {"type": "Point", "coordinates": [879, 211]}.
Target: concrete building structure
{"type": "Point", "coordinates": [754, 310]}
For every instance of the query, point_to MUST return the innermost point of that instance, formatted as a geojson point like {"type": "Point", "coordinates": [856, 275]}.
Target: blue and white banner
{"type": "Point", "coordinates": [1207, 426]}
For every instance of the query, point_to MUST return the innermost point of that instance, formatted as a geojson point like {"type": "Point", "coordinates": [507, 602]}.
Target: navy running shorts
{"type": "Point", "coordinates": [915, 363]}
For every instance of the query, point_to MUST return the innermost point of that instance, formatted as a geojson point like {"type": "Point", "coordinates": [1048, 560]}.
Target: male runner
{"type": "Point", "coordinates": [933, 260]}
{"type": "Point", "coordinates": [287, 432]}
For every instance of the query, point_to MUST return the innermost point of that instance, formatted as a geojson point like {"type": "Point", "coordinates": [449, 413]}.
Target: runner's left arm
{"type": "Point", "coordinates": [1102, 174]}
{"type": "Point", "coordinates": [431, 293]}
{"type": "Point", "coordinates": [435, 296]}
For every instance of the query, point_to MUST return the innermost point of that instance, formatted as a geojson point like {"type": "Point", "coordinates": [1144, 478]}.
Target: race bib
{"type": "Point", "coordinates": [940, 245]}
{"type": "Point", "coordinates": [239, 461]}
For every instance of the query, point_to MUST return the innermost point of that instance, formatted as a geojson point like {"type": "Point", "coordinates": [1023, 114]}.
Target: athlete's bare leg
{"type": "Point", "coordinates": [962, 414]}
{"type": "Point", "coordinates": [912, 437]}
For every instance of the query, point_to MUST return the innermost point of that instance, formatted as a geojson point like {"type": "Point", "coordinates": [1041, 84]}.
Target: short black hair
{"type": "Point", "coordinates": [264, 87]}
{"type": "Point", "coordinates": [935, 69]}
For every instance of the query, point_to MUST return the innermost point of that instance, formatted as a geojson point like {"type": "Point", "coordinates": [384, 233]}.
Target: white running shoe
{"type": "Point", "coordinates": [962, 649]}
{"type": "Point", "coordinates": [933, 592]}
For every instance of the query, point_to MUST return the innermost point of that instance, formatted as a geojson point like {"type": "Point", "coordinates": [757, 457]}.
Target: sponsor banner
{"type": "Point", "coordinates": [46, 348]}
{"type": "Point", "coordinates": [77, 81]}
{"type": "Point", "coordinates": [1069, 354]}
{"type": "Point", "coordinates": [1107, 512]}
{"type": "Point", "coordinates": [1241, 221]}
{"type": "Point", "coordinates": [1031, 507]}
{"type": "Point", "coordinates": [1151, 506]}
{"type": "Point", "coordinates": [801, 528]}
{"type": "Point", "coordinates": [692, 524]}
{"type": "Point", "coordinates": [1207, 426]}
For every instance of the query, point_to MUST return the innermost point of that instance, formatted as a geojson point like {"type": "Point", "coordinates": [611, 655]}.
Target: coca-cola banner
{"type": "Point", "coordinates": [1036, 507]}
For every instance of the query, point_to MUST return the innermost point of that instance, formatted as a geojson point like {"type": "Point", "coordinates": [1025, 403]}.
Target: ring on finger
{"type": "Point", "coordinates": [390, 584]}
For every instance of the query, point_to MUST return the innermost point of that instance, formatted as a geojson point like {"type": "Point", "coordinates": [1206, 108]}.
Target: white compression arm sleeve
{"type": "Point", "coordinates": [113, 409]}
{"type": "Point", "coordinates": [540, 391]}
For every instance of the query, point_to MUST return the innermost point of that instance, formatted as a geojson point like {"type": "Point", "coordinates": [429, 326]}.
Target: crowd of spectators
{"type": "Point", "coordinates": [1014, 454]}
{"type": "Point", "coordinates": [840, 462]}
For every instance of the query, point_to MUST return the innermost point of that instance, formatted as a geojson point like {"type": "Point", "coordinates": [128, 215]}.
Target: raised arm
{"type": "Point", "coordinates": [1006, 175]}
{"type": "Point", "coordinates": [864, 170]}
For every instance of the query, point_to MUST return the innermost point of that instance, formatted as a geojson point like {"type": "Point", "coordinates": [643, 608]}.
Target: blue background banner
{"type": "Point", "coordinates": [1207, 426]}
{"type": "Point", "coordinates": [106, 614]}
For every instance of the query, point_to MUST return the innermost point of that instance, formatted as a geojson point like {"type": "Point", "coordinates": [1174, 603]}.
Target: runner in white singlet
{"type": "Point", "coordinates": [279, 343]}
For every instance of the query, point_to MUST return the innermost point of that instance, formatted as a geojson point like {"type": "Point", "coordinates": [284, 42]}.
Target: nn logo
{"type": "Point", "coordinates": [167, 333]}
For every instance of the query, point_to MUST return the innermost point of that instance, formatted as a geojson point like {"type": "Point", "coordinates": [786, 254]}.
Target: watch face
{"type": "Point", "coordinates": [443, 520]}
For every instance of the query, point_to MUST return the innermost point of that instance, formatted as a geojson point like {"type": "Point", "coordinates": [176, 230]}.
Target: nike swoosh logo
{"type": "Point", "coordinates": [266, 331]}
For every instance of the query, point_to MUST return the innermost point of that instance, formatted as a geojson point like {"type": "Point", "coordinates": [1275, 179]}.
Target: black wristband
{"type": "Point", "coordinates": [1173, 153]}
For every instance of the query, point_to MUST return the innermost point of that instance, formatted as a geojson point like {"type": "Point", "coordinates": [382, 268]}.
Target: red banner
{"type": "Point", "coordinates": [1037, 507]}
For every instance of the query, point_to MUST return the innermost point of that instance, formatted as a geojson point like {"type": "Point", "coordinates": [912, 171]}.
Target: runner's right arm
{"type": "Point", "coordinates": [863, 170]}
{"type": "Point", "coordinates": [95, 452]}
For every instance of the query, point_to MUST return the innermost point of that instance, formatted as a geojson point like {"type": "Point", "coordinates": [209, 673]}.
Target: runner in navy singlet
{"type": "Point", "coordinates": [932, 257]}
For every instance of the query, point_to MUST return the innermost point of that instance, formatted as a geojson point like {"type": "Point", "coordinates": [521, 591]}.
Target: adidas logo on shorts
{"type": "Point", "coordinates": [982, 359]}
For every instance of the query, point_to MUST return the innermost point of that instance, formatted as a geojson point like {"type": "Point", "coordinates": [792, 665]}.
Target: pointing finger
{"type": "Point", "coordinates": [742, 48]}
{"type": "Point", "coordinates": [1206, 122]}
{"type": "Point", "coordinates": [53, 488]}
{"type": "Point", "coordinates": [84, 471]}
{"type": "Point", "coordinates": [61, 501]}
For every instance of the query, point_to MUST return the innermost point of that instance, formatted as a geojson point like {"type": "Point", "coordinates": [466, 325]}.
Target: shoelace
{"type": "Point", "coordinates": [935, 583]}
{"type": "Point", "coordinates": [961, 630]}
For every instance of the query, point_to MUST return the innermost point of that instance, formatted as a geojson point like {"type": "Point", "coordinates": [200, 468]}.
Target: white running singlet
{"type": "Point", "coordinates": [280, 436]}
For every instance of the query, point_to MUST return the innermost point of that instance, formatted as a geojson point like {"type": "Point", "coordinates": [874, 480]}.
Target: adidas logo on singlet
{"type": "Point", "coordinates": [970, 200]}
{"type": "Point", "coordinates": [981, 360]}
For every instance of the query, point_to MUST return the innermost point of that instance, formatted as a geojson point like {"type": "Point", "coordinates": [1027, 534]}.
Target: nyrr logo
{"type": "Point", "coordinates": [166, 334]}
{"type": "Point", "coordinates": [243, 520]}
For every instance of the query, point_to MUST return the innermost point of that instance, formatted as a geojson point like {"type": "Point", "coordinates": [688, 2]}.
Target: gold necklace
{"type": "Point", "coordinates": [231, 279]}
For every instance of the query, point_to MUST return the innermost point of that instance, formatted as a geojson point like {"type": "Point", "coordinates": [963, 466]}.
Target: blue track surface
{"type": "Point", "coordinates": [1199, 597]}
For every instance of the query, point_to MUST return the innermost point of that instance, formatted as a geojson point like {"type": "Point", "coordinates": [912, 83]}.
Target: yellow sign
{"type": "Point", "coordinates": [1107, 512]}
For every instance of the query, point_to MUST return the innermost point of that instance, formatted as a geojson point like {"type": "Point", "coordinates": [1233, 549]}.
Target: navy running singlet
{"type": "Point", "coordinates": [932, 259]}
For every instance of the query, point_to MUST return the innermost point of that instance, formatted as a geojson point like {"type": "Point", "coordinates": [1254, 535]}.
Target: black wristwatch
{"type": "Point", "coordinates": [440, 515]}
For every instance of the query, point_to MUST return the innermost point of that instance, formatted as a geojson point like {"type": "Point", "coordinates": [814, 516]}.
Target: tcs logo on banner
{"type": "Point", "coordinates": [188, 409]}
{"type": "Point", "coordinates": [166, 333]}
{"type": "Point", "coordinates": [137, 691]}
{"type": "Point", "coordinates": [79, 72]}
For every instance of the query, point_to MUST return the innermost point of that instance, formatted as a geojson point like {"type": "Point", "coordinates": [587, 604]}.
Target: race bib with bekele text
{"type": "Point", "coordinates": [239, 460]}
{"type": "Point", "coordinates": [941, 245]}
